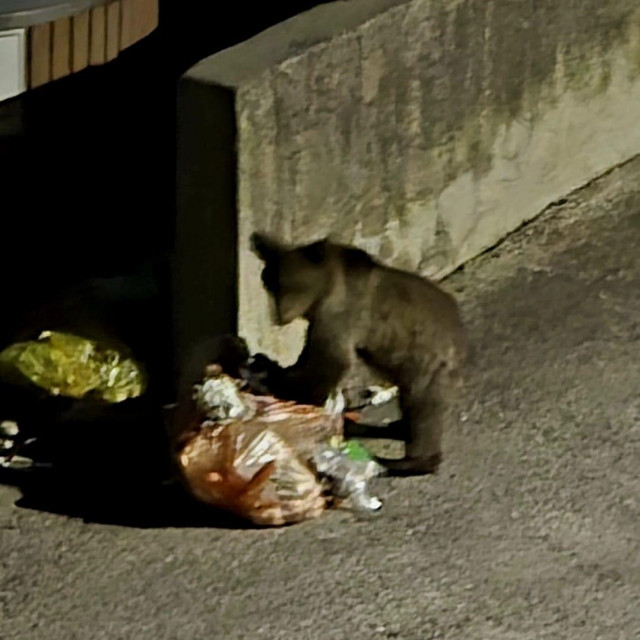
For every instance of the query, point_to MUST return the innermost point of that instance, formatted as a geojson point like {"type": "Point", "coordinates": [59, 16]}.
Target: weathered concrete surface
{"type": "Point", "coordinates": [424, 130]}
{"type": "Point", "coordinates": [531, 531]}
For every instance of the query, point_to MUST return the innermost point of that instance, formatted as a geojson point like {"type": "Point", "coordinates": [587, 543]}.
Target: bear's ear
{"type": "Point", "coordinates": [264, 247]}
{"type": "Point", "coordinates": [315, 252]}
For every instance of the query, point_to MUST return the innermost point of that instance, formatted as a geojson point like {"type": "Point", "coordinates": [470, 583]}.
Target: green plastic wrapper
{"type": "Point", "coordinates": [68, 365]}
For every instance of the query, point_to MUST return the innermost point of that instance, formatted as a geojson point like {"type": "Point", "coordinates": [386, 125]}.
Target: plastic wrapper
{"type": "Point", "coordinates": [8, 432]}
{"type": "Point", "coordinates": [270, 461]}
{"type": "Point", "coordinates": [350, 468]}
{"type": "Point", "coordinates": [68, 365]}
{"type": "Point", "coordinates": [9, 458]}
{"type": "Point", "coordinates": [220, 398]}
{"type": "Point", "coordinates": [382, 395]}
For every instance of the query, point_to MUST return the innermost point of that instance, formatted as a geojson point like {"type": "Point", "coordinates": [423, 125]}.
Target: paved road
{"type": "Point", "coordinates": [531, 530]}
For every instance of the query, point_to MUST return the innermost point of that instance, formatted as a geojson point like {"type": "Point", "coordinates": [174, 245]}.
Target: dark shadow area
{"type": "Point", "coordinates": [105, 466]}
{"type": "Point", "coordinates": [124, 505]}
{"type": "Point", "coordinates": [191, 30]}
{"type": "Point", "coordinates": [144, 507]}
{"type": "Point", "coordinates": [88, 235]}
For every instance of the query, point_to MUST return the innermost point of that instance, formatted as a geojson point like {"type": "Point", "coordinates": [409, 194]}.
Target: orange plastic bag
{"type": "Point", "coordinates": [250, 455]}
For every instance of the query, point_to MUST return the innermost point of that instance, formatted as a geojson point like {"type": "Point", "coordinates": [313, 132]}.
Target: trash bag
{"type": "Point", "coordinates": [251, 472]}
{"type": "Point", "coordinates": [68, 365]}
{"type": "Point", "coordinates": [250, 454]}
{"type": "Point", "coordinates": [270, 461]}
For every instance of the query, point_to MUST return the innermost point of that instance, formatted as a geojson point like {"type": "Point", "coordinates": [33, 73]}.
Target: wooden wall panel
{"type": "Point", "coordinates": [146, 17]}
{"type": "Point", "coordinates": [61, 48]}
{"type": "Point", "coordinates": [98, 32]}
{"type": "Point", "coordinates": [127, 11]}
{"type": "Point", "coordinates": [39, 55]}
{"type": "Point", "coordinates": [80, 42]}
{"type": "Point", "coordinates": [91, 37]}
{"type": "Point", "coordinates": [113, 30]}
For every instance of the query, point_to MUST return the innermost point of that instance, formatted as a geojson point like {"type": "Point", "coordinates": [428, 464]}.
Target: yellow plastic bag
{"type": "Point", "coordinates": [68, 365]}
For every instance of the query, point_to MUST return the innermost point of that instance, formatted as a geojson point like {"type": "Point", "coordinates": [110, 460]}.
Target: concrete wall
{"type": "Point", "coordinates": [423, 131]}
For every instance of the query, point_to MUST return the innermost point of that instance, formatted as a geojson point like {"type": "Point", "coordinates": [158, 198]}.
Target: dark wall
{"type": "Point", "coordinates": [87, 170]}
{"type": "Point", "coordinates": [205, 249]}
{"type": "Point", "coordinates": [192, 29]}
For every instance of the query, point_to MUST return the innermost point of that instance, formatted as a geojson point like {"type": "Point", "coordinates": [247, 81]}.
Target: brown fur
{"type": "Point", "coordinates": [399, 323]}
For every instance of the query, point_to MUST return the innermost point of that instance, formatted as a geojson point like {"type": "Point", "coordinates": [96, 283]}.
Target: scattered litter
{"type": "Point", "coordinates": [9, 429]}
{"type": "Point", "coordinates": [335, 404]}
{"type": "Point", "coordinates": [8, 432]}
{"type": "Point", "coordinates": [350, 467]}
{"type": "Point", "coordinates": [9, 447]}
{"type": "Point", "coordinates": [16, 462]}
{"type": "Point", "coordinates": [270, 461]}
{"type": "Point", "coordinates": [382, 395]}
{"type": "Point", "coordinates": [220, 397]}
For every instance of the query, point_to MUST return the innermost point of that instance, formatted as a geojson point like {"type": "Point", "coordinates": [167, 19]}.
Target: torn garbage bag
{"type": "Point", "coordinates": [270, 461]}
